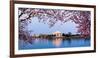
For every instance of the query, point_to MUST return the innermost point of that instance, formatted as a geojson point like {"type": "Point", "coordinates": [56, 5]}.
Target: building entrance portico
{"type": "Point", "coordinates": [57, 34]}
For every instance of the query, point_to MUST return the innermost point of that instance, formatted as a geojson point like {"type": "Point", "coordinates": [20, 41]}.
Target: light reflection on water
{"type": "Point", "coordinates": [53, 43]}
{"type": "Point", "coordinates": [57, 42]}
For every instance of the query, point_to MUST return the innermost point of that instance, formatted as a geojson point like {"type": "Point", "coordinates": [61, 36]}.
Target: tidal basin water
{"type": "Point", "coordinates": [53, 43]}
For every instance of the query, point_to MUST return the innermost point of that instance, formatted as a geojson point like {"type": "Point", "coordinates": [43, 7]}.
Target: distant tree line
{"type": "Point", "coordinates": [69, 34]}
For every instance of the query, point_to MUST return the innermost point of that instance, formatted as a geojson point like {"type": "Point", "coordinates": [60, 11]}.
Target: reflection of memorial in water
{"type": "Point", "coordinates": [57, 42]}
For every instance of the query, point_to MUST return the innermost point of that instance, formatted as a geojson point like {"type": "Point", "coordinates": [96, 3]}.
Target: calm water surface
{"type": "Point", "coordinates": [54, 43]}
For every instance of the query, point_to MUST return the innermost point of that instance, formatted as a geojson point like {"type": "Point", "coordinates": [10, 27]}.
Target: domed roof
{"type": "Point", "coordinates": [56, 32]}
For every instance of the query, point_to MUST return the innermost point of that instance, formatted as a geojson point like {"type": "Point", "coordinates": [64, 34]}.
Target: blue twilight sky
{"type": "Point", "coordinates": [40, 28]}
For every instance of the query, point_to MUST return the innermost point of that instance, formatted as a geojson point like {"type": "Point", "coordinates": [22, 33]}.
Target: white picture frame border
{"type": "Point", "coordinates": [34, 51]}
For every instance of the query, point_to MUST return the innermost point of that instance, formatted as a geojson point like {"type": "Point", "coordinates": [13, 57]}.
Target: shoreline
{"type": "Point", "coordinates": [63, 37]}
